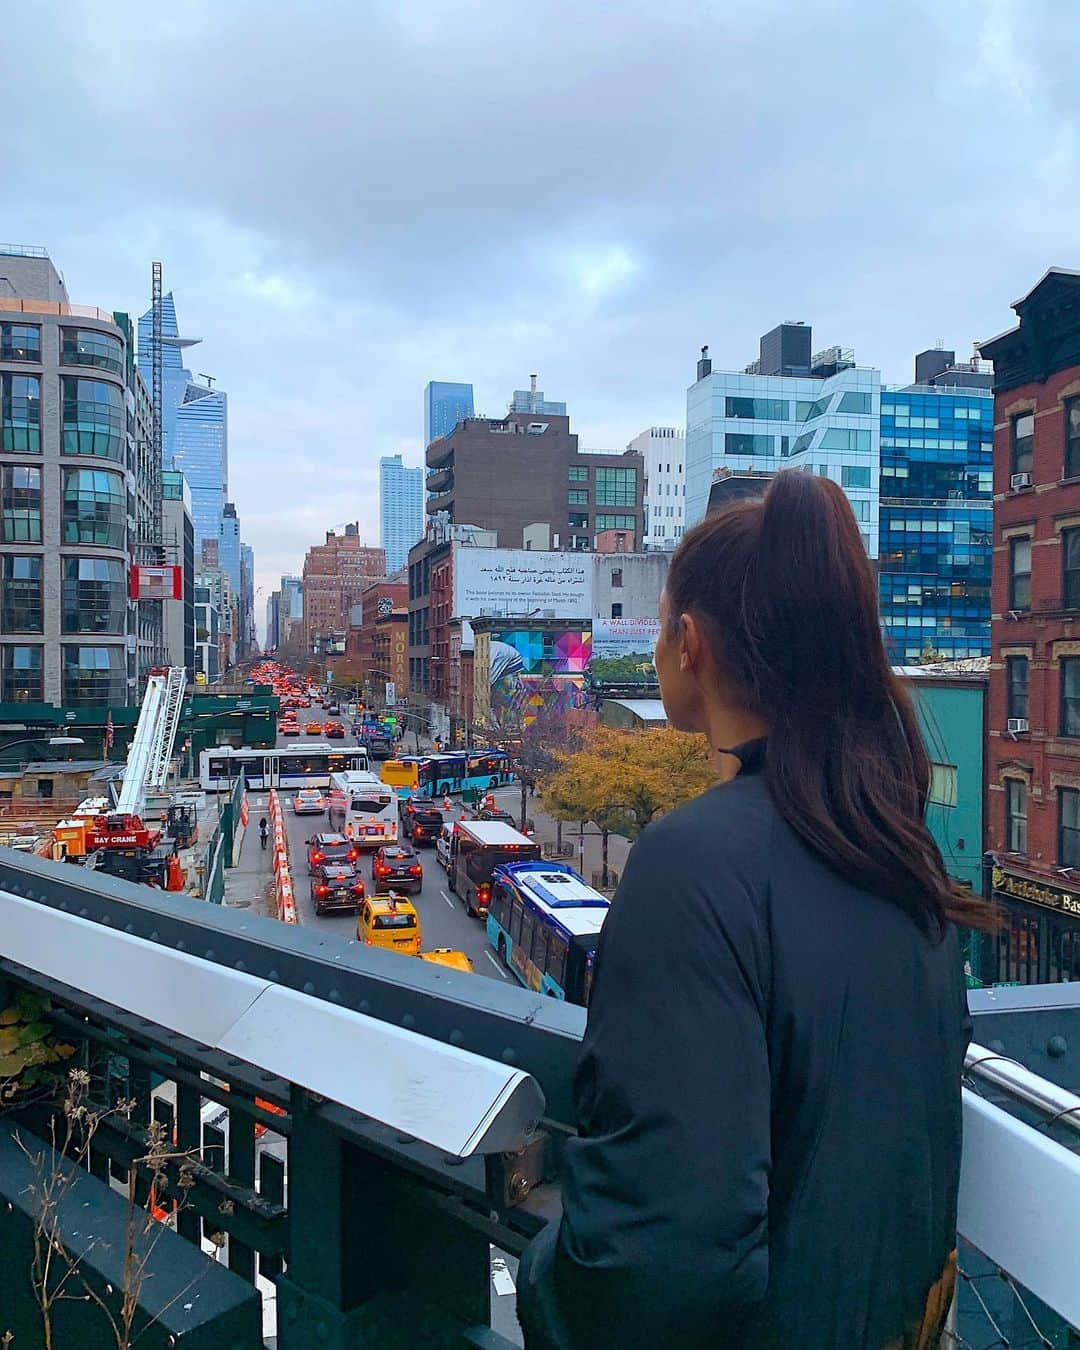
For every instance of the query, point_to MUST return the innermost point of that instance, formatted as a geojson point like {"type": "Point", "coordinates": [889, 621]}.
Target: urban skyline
{"type": "Point", "coordinates": [326, 327]}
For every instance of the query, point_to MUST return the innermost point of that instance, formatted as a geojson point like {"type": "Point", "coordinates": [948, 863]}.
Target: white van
{"type": "Point", "coordinates": [444, 843]}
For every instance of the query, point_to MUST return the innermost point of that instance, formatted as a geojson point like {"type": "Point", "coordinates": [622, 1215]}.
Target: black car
{"type": "Point", "coordinates": [421, 820]}
{"type": "Point", "coordinates": [330, 848]}
{"type": "Point", "coordinates": [336, 886]}
{"type": "Point", "coordinates": [496, 813]}
{"type": "Point", "coordinates": [395, 867]}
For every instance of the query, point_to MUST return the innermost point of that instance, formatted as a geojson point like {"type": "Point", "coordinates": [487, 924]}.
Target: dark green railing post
{"type": "Point", "coordinates": [311, 1295]}
{"type": "Point", "coordinates": [373, 1258]}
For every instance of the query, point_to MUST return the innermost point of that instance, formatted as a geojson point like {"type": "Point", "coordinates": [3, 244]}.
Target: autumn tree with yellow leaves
{"type": "Point", "coordinates": [624, 779]}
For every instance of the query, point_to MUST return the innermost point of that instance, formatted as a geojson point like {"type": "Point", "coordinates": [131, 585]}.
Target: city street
{"type": "Point", "coordinates": [443, 920]}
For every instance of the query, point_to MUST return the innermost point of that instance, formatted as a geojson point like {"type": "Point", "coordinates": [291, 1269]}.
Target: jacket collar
{"type": "Point", "coordinates": [750, 754]}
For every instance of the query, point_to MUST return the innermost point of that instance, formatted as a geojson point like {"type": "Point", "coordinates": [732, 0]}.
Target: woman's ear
{"type": "Point", "coordinates": [691, 642]}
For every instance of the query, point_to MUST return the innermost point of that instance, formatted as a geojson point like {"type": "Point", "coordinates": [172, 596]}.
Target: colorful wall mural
{"type": "Point", "coordinates": [533, 671]}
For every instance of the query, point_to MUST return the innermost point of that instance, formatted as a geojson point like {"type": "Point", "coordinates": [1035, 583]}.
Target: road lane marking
{"type": "Point", "coordinates": [497, 966]}
{"type": "Point", "coordinates": [447, 899]}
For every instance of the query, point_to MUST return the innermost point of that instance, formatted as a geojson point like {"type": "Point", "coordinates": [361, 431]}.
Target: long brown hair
{"type": "Point", "coordinates": [788, 599]}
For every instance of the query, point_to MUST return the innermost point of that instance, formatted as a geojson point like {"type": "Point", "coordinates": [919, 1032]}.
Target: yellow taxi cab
{"type": "Point", "coordinates": [446, 956]}
{"type": "Point", "coordinates": [390, 922]}
{"type": "Point", "coordinates": [314, 729]}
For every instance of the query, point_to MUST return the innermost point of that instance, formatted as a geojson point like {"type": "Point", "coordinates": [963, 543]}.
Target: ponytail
{"type": "Point", "coordinates": [788, 599]}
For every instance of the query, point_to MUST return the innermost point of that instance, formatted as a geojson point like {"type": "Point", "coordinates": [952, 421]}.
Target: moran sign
{"type": "Point", "coordinates": [1034, 892]}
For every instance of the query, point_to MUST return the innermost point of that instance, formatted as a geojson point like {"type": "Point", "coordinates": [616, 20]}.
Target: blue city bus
{"type": "Point", "coordinates": [544, 922]}
{"type": "Point", "coordinates": [454, 772]}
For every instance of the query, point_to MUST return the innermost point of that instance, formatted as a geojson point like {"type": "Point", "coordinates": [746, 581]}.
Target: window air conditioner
{"type": "Point", "coordinates": [1018, 726]}
{"type": "Point", "coordinates": [1020, 480]}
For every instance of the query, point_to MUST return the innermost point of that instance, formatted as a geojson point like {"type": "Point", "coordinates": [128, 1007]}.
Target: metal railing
{"type": "Point", "coordinates": [55, 308]}
{"type": "Point", "coordinates": [355, 1129]}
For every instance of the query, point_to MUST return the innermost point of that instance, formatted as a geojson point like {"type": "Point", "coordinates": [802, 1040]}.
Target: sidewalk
{"type": "Point", "coordinates": [250, 884]}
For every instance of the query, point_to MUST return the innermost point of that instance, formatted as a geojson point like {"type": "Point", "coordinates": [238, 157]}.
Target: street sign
{"type": "Point", "coordinates": [391, 693]}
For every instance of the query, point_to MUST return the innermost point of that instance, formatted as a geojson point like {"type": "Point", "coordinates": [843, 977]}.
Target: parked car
{"type": "Point", "coordinates": [308, 802]}
{"type": "Point", "coordinates": [395, 867]}
{"type": "Point", "coordinates": [495, 813]}
{"type": "Point", "coordinates": [336, 886]}
{"type": "Point", "coordinates": [330, 847]}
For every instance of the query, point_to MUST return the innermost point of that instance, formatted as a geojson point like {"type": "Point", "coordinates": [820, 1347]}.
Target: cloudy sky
{"type": "Point", "coordinates": [352, 197]}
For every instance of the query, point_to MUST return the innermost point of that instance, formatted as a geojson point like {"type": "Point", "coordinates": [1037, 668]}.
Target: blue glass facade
{"type": "Point", "coordinates": [935, 522]}
{"type": "Point", "coordinates": [401, 510]}
{"type": "Point", "coordinates": [444, 407]}
{"type": "Point", "coordinates": [194, 420]}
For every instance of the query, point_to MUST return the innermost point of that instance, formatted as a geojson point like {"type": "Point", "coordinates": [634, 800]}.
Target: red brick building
{"type": "Point", "coordinates": [335, 576]}
{"type": "Point", "coordinates": [379, 600]}
{"type": "Point", "coordinates": [1033, 743]}
{"type": "Point", "coordinates": [391, 653]}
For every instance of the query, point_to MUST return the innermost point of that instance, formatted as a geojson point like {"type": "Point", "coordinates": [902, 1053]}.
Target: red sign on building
{"type": "Point", "coordinates": [156, 583]}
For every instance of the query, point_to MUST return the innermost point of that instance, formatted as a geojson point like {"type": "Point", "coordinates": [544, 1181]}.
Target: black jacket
{"type": "Point", "coordinates": [768, 1103]}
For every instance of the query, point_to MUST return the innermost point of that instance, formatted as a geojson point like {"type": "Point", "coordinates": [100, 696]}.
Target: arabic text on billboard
{"type": "Point", "coordinates": [518, 581]}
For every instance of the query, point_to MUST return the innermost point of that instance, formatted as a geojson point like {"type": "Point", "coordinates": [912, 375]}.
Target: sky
{"type": "Point", "coordinates": [353, 197]}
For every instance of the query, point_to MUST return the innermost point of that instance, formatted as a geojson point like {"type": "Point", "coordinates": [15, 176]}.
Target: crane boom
{"type": "Point", "coordinates": [152, 745]}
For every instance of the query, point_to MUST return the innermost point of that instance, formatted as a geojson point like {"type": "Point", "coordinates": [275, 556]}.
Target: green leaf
{"type": "Point", "coordinates": [35, 1031]}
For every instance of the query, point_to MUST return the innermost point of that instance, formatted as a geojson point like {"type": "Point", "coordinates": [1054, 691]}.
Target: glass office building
{"type": "Point", "coordinates": [828, 425]}
{"type": "Point", "coordinates": [444, 407]}
{"type": "Point", "coordinates": [401, 510]}
{"type": "Point", "coordinates": [935, 521]}
{"type": "Point", "coordinates": [194, 422]}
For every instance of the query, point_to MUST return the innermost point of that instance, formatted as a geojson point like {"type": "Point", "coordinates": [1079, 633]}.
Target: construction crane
{"type": "Point", "coordinates": [119, 839]}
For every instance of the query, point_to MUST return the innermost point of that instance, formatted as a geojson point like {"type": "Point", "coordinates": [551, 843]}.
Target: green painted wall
{"type": "Point", "coordinates": [951, 715]}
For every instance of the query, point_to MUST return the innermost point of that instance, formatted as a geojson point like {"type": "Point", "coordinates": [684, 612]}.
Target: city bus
{"type": "Point", "coordinates": [364, 808]}
{"type": "Point", "coordinates": [479, 846]}
{"type": "Point", "coordinates": [544, 922]}
{"type": "Point", "coordinates": [299, 767]}
{"type": "Point", "coordinates": [448, 774]}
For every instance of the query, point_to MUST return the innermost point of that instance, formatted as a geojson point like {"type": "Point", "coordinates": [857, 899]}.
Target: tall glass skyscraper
{"type": "Point", "coordinates": [935, 519]}
{"type": "Point", "coordinates": [401, 510]}
{"type": "Point", "coordinates": [194, 422]}
{"type": "Point", "coordinates": [444, 407]}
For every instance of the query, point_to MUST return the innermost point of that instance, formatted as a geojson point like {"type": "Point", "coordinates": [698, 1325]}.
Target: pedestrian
{"type": "Point", "coordinates": [348, 829]}
{"type": "Point", "coordinates": [447, 804]}
{"type": "Point", "coordinates": [264, 832]}
{"type": "Point", "coordinates": [769, 1114]}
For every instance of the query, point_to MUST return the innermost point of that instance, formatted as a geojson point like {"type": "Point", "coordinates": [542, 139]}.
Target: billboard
{"type": "Point", "coordinates": [622, 649]}
{"type": "Point", "coordinates": [521, 581]}
{"type": "Point", "coordinates": [156, 583]}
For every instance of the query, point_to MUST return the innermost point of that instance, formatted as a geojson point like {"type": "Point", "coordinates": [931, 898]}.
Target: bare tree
{"type": "Point", "coordinates": [56, 1273]}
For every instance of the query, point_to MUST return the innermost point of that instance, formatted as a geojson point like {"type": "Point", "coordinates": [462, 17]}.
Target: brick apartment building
{"type": "Point", "coordinates": [336, 574]}
{"type": "Point", "coordinates": [378, 601]}
{"type": "Point", "coordinates": [1033, 741]}
{"type": "Point", "coordinates": [524, 477]}
{"type": "Point", "coordinates": [390, 654]}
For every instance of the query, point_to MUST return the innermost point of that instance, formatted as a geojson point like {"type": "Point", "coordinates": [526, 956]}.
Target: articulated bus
{"type": "Point", "coordinates": [305, 766]}
{"type": "Point", "coordinates": [363, 808]}
{"type": "Point", "coordinates": [544, 921]}
{"type": "Point", "coordinates": [439, 775]}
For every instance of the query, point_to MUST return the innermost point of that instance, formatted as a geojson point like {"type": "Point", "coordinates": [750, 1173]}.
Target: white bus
{"type": "Point", "coordinates": [363, 807]}
{"type": "Point", "coordinates": [292, 767]}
